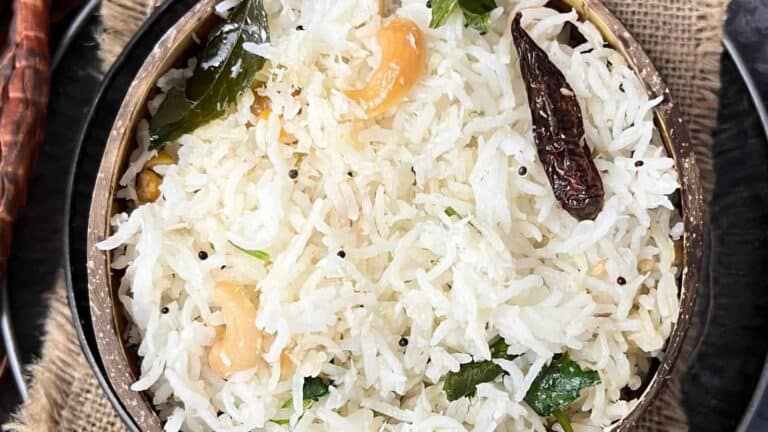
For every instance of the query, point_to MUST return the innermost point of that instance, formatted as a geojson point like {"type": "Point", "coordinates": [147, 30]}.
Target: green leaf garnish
{"type": "Point", "coordinates": [477, 13]}
{"type": "Point", "coordinates": [562, 419]}
{"type": "Point", "coordinates": [478, 22]}
{"type": "Point", "coordinates": [314, 388]}
{"type": "Point", "coordinates": [289, 404]}
{"type": "Point", "coordinates": [499, 350]}
{"type": "Point", "coordinates": [224, 70]}
{"type": "Point", "coordinates": [258, 254]}
{"type": "Point", "coordinates": [465, 381]}
{"type": "Point", "coordinates": [441, 11]}
{"type": "Point", "coordinates": [307, 403]}
{"type": "Point", "coordinates": [451, 212]}
{"type": "Point", "coordinates": [559, 384]}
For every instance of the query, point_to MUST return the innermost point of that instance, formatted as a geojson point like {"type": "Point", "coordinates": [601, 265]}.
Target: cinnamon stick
{"type": "Point", "coordinates": [24, 89]}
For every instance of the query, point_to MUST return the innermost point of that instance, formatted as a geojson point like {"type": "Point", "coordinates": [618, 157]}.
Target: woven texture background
{"type": "Point", "coordinates": [682, 37]}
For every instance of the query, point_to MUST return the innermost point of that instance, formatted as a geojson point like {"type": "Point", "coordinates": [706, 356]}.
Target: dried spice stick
{"type": "Point", "coordinates": [24, 85]}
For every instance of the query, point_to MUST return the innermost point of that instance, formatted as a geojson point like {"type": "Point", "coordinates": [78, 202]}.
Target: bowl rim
{"type": "Point", "coordinates": [109, 343]}
{"type": "Point", "coordinates": [73, 236]}
{"type": "Point", "coordinates": [104, 310]}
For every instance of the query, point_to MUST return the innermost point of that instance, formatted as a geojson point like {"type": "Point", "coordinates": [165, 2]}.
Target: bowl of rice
{"type": "Point", "coordinates": [320, 215]}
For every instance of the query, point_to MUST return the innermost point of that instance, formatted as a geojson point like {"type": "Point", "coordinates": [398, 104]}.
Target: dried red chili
{"type": "Point", "coordinates": [558, 130]}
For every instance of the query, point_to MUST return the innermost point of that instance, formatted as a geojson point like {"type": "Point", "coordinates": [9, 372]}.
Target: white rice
{"type": "Point", "coordinates": [514, 265]}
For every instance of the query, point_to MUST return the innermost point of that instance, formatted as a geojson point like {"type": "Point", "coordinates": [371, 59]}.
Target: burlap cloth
{"type": "Point", "coordinates": [682, 38]}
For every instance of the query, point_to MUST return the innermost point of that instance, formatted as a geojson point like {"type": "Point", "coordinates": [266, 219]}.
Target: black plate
{"type": "Point", "coordinates": [719, 387]}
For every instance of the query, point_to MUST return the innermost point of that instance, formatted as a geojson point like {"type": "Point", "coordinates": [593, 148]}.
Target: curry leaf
{"type": "Point", "coordinates": [465, 381]}
{"type": "Point", "coordinates": [477, 13]}
{"type": "Point", "coordinates": [479, 22]}
{"type": "Point", "coordinates": [314, 388]}
{"type": "Point", "coordinates": [224, 70]}
{"type": "Point", "coordinates": [499, 350]}
{"type": "Point", "coordinates": [307, 403]}
{"type": "Point", "coordinates": [258, 254]}
{"type": "Point", "coordinates": [441, 11]}
{"type": "Point", "coordinates": [559, 384]}
{"type": "Point", "coordinates": [451, 212]}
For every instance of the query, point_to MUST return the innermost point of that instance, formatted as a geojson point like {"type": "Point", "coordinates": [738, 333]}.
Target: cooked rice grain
{"type": "Point", "coordinates": [513, 263]}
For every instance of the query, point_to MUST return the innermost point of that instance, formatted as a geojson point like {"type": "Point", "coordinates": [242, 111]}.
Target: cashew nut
{"type": "Point", "coordinates": [239, 347]}
{"type": "Point", "coordinates": [403, 56]}
{"type": "Point", "coordinates": [161, 158]}
{"type": "Point", "coordinates": [148, 186]}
